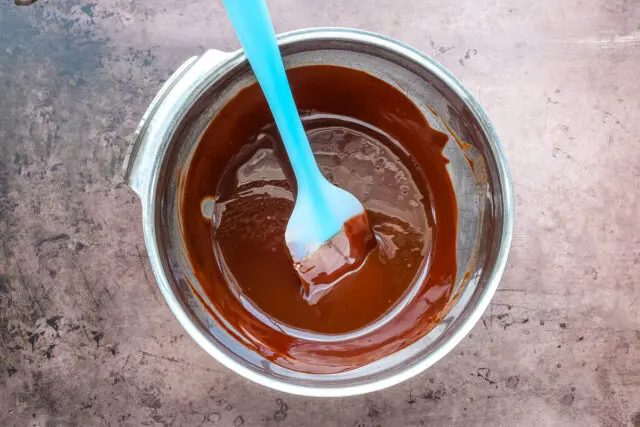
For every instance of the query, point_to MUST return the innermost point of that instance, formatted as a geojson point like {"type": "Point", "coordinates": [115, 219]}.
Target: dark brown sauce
{"type": "Point", "coordinates": [369, 139]}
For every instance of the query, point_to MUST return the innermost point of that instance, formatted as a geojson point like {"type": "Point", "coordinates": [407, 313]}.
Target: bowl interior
{"type": "Point", "coordinates": [474, 167]}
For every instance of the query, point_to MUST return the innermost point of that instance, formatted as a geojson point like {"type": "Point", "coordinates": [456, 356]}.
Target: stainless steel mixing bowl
{"type": "Point", "coordinates": [170, 132]}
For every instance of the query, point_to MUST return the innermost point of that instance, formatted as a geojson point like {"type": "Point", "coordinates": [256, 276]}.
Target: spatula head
{"type": "Point", "coordinates": [317, 218]}
{"type": "Point", "coordinates": [338, 257]}
{"type": "Point", "coordinates": [329, 237]}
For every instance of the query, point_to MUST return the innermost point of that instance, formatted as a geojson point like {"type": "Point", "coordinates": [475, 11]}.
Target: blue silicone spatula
{"type": "Point", "coordinates": [321, 208]}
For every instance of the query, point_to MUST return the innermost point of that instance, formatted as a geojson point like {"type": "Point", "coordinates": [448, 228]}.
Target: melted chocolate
{"type": "Point", "coordinates": [369, 139]}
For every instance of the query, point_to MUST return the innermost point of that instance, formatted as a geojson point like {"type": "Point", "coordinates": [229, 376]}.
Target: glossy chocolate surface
{"type": "Point", "coordinates": [369, 139]}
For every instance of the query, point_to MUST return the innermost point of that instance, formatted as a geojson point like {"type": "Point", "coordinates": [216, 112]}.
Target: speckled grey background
{"type": "Point", "coordinates": [85, 338]}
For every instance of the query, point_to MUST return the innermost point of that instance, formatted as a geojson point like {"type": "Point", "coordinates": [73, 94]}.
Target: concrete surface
{"type": "Point", "coordinates": [85, 338]}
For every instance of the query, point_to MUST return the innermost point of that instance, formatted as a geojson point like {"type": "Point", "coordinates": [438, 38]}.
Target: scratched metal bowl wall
{"type": "Point", "coordinates": [172, 127]}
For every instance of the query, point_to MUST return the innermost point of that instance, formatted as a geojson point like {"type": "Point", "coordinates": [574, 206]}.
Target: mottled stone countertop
{"type": "Point", "coordinates": [85, 337]}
